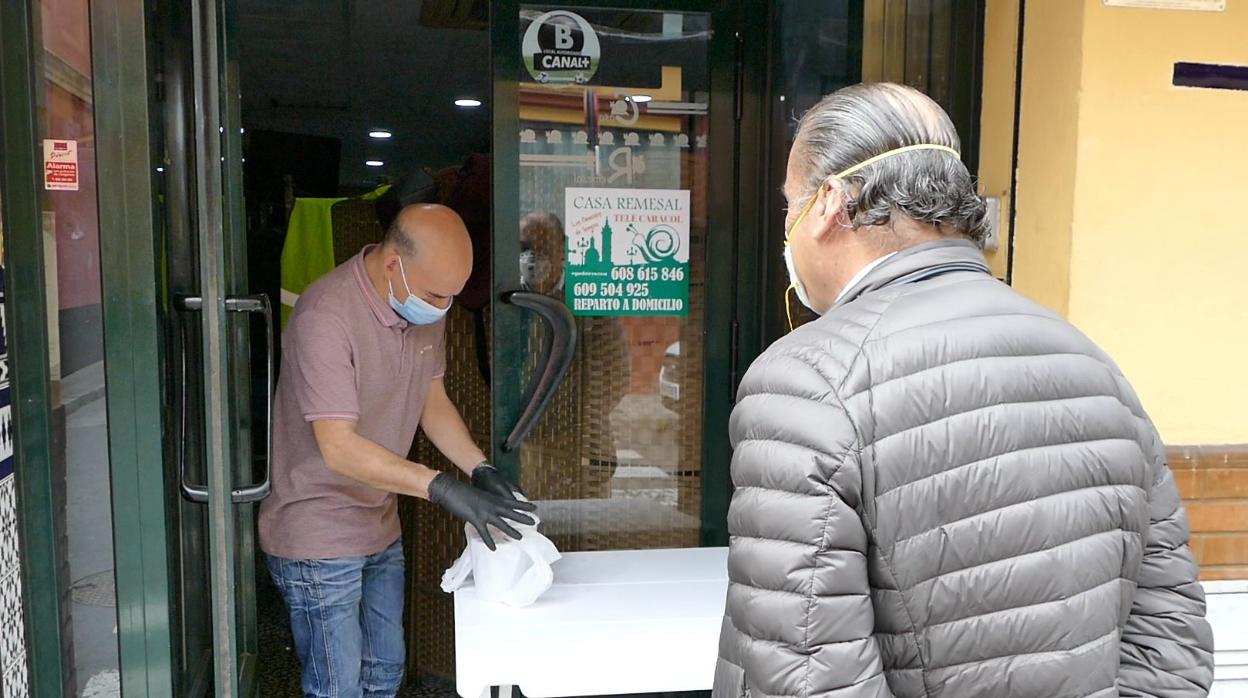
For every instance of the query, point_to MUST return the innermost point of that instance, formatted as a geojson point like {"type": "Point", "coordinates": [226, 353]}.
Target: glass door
{"type": "Point", "coordinates": [601, 257]}
{"type": "Point", "coordinates": [608, 330]}
{"type": "Point", "coordinates": [217, 463]}
{"type": "Point", "coordinates": [115, 317]}
{"type": "Point", "coordinates": [57, 325]}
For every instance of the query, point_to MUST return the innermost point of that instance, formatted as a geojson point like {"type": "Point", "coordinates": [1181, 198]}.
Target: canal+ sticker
{"type": "Point", "coordinates": [561, 47]}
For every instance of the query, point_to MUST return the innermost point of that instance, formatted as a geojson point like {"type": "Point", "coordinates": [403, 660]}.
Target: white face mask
{"type": "Point", "coordinates": [537, 272]}
{"type": "Point", "coordinates": [533, 269]}
{"type": "Point", "coordinates": [794, 282]}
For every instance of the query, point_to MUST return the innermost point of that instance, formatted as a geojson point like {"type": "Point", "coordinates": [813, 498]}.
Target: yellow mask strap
{"type": "Point", "coordinates": [897, 151]}
{"type": "Point", "coordinates": [809, 205]}
{"type": "Point", "coordinates": [866, 163]}
{"type": "Point", "coordinates": [788, 307]}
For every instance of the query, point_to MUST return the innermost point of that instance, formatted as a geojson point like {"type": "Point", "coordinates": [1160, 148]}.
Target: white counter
{"type": "Point", "coordinates": [647, 621]}
{"type": "Point", "coordinates": [615, 622]}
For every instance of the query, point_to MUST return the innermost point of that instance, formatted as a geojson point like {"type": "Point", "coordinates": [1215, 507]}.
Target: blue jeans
{"type": "Point", "coordinates": [346, 615]}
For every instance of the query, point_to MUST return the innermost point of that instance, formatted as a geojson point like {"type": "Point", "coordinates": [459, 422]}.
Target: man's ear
{"type": "Point", "coordinates": [830, 207]}
{"type": "Point", "coordinates": [391, 262]}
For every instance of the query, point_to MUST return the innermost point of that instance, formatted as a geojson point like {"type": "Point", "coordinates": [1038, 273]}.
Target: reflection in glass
{"type": "Point", "coordinates": [616, 460]}
{"type": "Point", "coordinates": [81, 485]}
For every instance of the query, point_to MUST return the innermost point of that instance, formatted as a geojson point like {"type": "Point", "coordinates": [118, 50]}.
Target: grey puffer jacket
{"type": "Point", "coordinates": [944, 489]}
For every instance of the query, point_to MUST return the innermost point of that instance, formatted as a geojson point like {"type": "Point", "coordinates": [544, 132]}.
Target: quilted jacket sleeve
{"type": "Point", "coordinates": [1167, 645]}
{"type": "Point", "coordinates": [799, 601]}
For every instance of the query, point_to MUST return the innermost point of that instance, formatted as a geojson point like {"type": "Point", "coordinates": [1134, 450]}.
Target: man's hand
{"type": "Point", "coordinates": [481, 509]}
{"type": "Point", "coordinates": [486, 478]}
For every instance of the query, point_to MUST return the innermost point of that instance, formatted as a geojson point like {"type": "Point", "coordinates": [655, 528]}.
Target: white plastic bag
{"type": "Point", "coordinates": [516, 574]}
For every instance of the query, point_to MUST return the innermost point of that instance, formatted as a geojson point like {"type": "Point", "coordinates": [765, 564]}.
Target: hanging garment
{"type": "Point", "coordinates": [308, 252]}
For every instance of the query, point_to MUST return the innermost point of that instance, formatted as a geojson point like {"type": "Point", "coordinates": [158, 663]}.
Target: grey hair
{"type": "Point", "coordinates": [859, 122]}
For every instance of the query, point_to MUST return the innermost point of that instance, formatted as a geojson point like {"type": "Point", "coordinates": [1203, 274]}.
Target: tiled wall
{"type": "Point", "coordinates": [13, 683]}
{"type": "Point", "coordinates": [12, 630]}
{"type": "Point", "coordinates": [1214, 483]}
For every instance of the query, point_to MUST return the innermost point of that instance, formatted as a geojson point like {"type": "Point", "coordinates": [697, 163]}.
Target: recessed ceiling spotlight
{"type": "Point", "coordinates": [374, 163]}
{"type": "Point", "coordinates": [380, 134]}
{"type": "Point", "coordinates": [470, 103]}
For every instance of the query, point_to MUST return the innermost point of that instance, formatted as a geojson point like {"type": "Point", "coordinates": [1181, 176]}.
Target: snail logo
{"type": "Point", "coordinates": [561, 47]}
{"type": "Point", "coordinates": [657, 246]}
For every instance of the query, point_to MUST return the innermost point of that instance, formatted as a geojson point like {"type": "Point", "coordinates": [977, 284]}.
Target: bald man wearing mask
{"type": "Point", "coordinates": [363, 362]}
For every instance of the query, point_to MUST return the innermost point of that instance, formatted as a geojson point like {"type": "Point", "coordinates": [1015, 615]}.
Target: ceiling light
{"type": "Point", "coordinates": [471, 103]}
{"type": "Point", "coordinates": [160, 169]}
{"type": "Point", "coordinates": [642, 99]}
{"type": "Point", "coordinates": [380, 134]}
{"type": "Point", "coordinates": [374, 163]}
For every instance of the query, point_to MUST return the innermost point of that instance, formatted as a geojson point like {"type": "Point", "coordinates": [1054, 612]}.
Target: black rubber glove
{"type": "Point", "coordinates": [481, 509]}
{"type": "Point", "coordinates": [486, 478]}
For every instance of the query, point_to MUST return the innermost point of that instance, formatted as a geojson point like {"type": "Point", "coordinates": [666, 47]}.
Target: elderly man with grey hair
{"type": "Point", "coordinates": [943, 489]}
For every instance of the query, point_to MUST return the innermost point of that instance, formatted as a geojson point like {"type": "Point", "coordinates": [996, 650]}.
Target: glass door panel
{"type": "Point", "coordinates": [216, 473]}
{"type": "Point", "coordinates": [82, 503]}
{"type": "Point", "coordinates": [595, 407]}
{"type": "Point", "coordinates": [614, 162]}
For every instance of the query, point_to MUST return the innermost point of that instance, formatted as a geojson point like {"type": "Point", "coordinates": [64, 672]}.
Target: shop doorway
{"type": "Point", "coordinates": [347, 114]}
{"type": "Point", "coordinates": [578, 352]}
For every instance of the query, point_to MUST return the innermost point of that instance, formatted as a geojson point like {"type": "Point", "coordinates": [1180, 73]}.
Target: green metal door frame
{"type": "Point", "coordinates": [223, 274]}
{"type": "Point", "coordinates": [132, 298]}
{"type": "Point", "coordinates": [137, 297]}
{"type": "Point", "coordinates": [727, 276]}
{"type": "Point", "coordinates": [751, 197]}
{"type": "Point", "coordinates": [507, 364]}
{"type": "Point", "coordinates": [28, 342]}
{"type": "Point", "coordinates": [234, 232]}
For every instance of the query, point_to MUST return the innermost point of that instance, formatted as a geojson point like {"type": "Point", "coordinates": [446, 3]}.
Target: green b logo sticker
{"type": "Point", "coordinates": [561, 47]}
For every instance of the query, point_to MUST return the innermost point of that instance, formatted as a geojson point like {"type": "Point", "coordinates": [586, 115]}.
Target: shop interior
{"type": "Point", "coordinates": [350, 111]}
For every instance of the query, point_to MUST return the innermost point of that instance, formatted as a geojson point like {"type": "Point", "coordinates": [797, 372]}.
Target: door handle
{"type": "Point", "coordinates": [558, 348]}
{"type": "Point", "coordinates": [258, 303]}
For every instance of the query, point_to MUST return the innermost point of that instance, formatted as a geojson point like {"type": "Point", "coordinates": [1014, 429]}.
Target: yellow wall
{"type": "Point", "coordinates": [1047, 150]}
{"type": "Point", "coordinates": [1131, 202]}
{"type": "Point", "coordinates": [996, 132]}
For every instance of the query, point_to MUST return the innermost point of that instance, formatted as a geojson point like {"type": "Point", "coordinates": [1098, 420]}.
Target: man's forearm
{"type": "Point", "coordinates": [360, 459]}
{"type": "Point", "coordinates": [445, 428]}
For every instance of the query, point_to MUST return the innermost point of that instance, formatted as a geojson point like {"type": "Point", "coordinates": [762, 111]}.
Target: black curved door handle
{"type": "Point", "coordinates": [558, 348]}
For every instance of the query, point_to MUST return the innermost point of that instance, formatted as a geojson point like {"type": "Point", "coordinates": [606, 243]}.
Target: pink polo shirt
{"type": "Point", "coordinates": [346, 355]}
